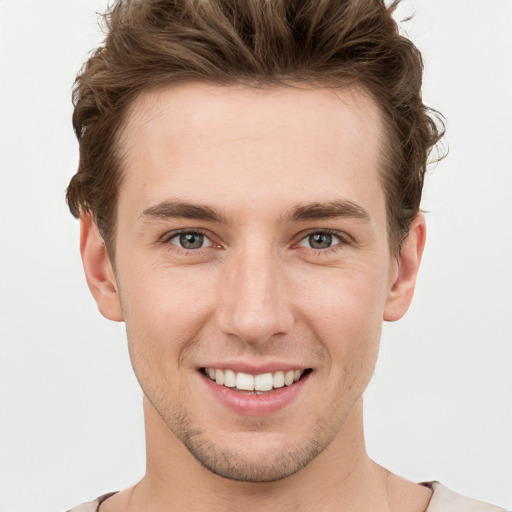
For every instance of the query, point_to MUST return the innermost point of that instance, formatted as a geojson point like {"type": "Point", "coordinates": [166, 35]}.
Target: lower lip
{"type": "Point", "coordinates": [256, 405]}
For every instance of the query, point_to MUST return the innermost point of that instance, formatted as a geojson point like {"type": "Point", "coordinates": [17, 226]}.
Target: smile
{"type": "Point", "coordinates": [261, 383]}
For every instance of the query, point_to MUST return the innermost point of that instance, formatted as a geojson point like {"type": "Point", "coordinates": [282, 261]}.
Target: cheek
{"type": "Point", "coordinates": [344, 313]}
{"type": "Point", "coordinates": [345, 299]}
{"type": "Point", "coordinates": [164, 310]}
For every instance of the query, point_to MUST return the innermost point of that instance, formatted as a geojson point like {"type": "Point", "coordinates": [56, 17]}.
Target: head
{"type": "Point", "coordinates": [326, 44]}
{"type": "Point", "coordinates": [254, 170]}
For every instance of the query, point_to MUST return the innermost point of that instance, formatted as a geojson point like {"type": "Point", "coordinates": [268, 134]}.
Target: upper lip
{"type": "Point", "coordinates": [254, 368]}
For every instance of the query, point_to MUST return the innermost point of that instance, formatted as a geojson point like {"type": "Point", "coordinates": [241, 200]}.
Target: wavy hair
{"type": "Point", "coordinates": [151, 44]}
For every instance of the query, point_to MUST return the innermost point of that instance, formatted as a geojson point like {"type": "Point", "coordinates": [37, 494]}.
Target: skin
{"type": "Point", "coordinates": [256, 292]}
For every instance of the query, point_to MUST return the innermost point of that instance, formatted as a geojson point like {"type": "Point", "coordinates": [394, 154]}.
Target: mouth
{"type": "Point", "coordinates": [260, 384]}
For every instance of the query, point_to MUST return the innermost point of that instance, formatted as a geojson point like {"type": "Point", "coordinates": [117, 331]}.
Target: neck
{"type": "Point", "coordinates": [342, 477]}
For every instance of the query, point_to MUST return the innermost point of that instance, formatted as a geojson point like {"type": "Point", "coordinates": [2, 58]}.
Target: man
{"type": "Point", "coordinates": [248, 190]}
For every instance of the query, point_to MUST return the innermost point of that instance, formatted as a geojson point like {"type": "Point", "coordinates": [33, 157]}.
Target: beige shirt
{"type": "Point", "coordinates": [443, 500]}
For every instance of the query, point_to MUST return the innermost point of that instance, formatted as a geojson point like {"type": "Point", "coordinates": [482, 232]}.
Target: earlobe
{"type": "Point", "coordinates": [402, 290]}
{"type": "Point", "coordinates": [98, 270]}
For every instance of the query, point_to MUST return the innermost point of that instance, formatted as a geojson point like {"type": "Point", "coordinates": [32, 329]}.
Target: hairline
{"type": "Point", "coordinates": [130, 103]}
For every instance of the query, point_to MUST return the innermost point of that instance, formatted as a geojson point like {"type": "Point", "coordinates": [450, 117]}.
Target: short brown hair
{"type": "Point", "coordinates": [320, 43]}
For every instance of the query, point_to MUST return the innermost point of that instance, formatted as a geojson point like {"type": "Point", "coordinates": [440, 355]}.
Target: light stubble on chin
{"type": "Point", "coordinates": [233, 465]}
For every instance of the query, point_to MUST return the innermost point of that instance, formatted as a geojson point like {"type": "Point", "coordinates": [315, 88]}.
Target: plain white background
{"type": "Point", "coordinates": [440, 404]}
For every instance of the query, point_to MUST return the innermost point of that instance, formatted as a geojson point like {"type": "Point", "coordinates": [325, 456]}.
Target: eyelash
{"type": "Point", "coordinates": [344, 240]}
{"type": "Point", "coordinates": [166, 239]}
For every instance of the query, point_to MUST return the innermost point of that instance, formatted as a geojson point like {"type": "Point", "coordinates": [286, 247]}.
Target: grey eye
{"type": "Point", "coordinates": [190, 240]}
{"type": "Point", "coordinates": [320, 240]}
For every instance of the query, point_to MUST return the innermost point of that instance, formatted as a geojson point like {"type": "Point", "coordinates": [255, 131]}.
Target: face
{"type": "Point", "coordinates": [253, 268]}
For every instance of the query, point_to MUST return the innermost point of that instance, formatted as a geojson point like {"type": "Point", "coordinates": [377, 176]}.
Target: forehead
{"type": "Point", "coordinates": [276, 146]}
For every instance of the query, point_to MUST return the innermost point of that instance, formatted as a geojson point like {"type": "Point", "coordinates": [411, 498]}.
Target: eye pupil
{"type": "Point", "coordinates": [320, 240]}
{"type": "Point", "coordinates": [191, 240]}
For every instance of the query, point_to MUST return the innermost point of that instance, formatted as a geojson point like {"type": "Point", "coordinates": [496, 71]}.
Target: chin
{"type": "Point", "coordinates": [233, 465]}
{"type": "Point", "coordinates": [255, 456]}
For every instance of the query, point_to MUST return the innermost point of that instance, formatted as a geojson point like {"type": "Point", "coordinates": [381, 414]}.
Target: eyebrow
{"type": "Point", "coordinates": [183, 210]}
{"type": "Point", "coordinates": [301, 212]}
{"type": "Point", "coordinates": [329, 210]}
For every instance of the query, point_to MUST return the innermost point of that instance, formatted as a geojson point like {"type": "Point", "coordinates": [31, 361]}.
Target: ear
{"type": "Point", "coordinates": [408, 263]}
{"type": "Point", "coordinates": [98, 270]}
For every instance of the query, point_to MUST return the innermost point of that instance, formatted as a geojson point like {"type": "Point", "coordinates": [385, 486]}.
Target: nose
{"type": "Point", "coordinates": [253, 304]}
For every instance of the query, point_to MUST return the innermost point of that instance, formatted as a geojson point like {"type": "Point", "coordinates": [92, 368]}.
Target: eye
{"type": "Point", "coordinates": [190, 240]}
{"type": "Point", "coordinates": [320, 240]}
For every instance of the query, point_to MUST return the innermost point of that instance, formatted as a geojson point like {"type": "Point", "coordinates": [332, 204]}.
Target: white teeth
{"type": "Point", "coordinates": [244, 381]}
{"type": "Point", "coordinates": [229, 378]}
{"type": "Point", "coordinates": [219, 376]}
{"type": "Point", "coordinates": [258, 383]}
{"type": "Point", "coordinates": [278, 379]}
{"type": "Point", "coordinates": [263, 382]}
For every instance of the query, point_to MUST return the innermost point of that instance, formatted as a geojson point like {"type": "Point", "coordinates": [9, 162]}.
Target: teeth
{"type": "Point", "coordinates": [244, 381]}
{"type": "Point", "coordinates": [278, 379]}
{"type": "Point", "coordinates": [229, 378]}
{"type": "Point", "coordinates": [248, 382]}
{"type": "Point", "coordinates": [264, 382]}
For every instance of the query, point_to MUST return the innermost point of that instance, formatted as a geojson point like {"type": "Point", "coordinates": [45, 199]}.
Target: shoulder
{"type": "Point", "coordinates": [445, 500]}
{"type": "Point", "coordinates": [92, 506]}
